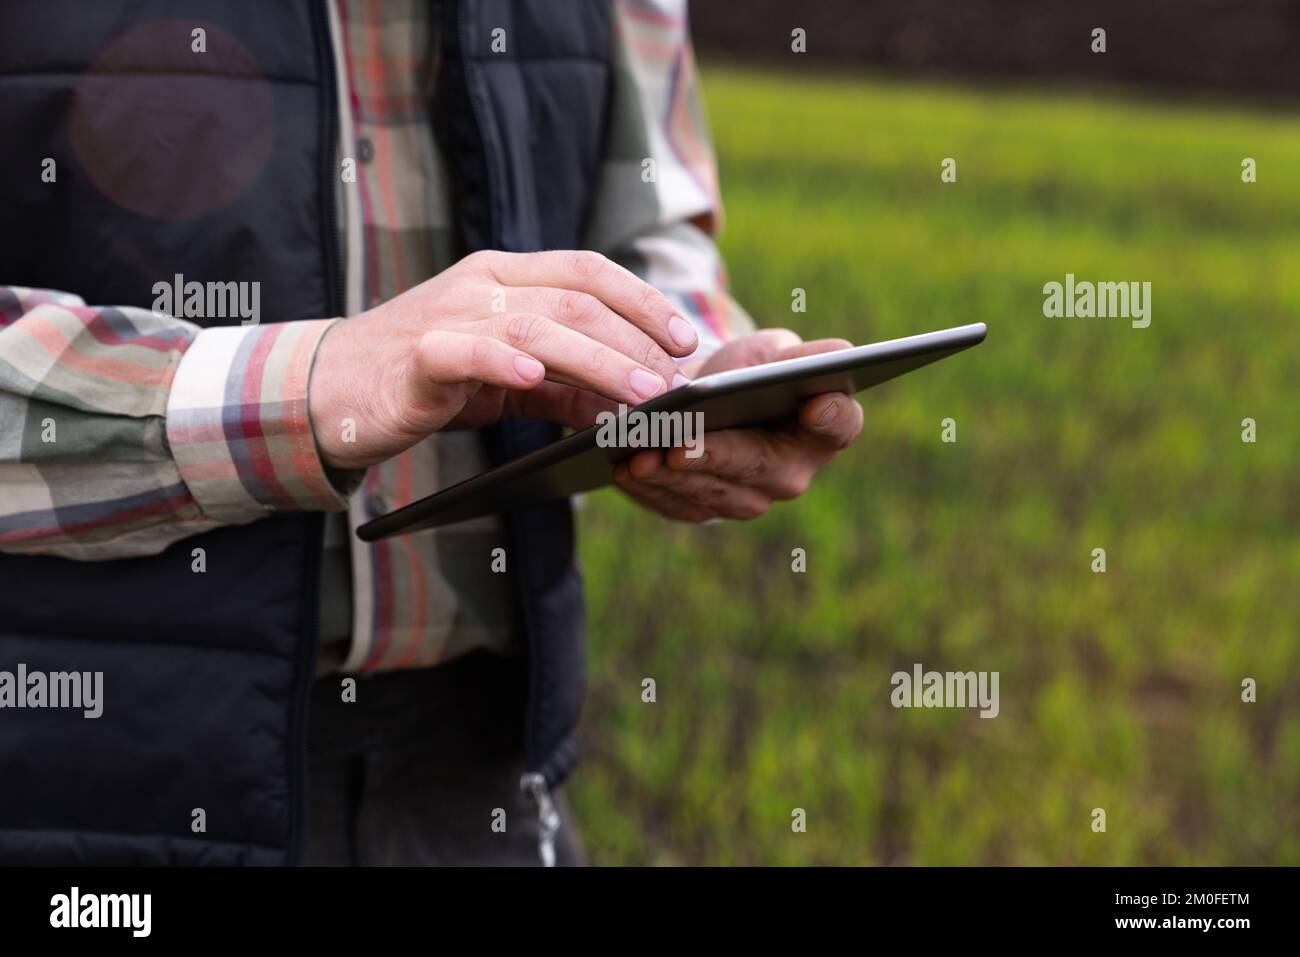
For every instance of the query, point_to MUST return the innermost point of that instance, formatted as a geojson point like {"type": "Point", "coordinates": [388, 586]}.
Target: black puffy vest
{"type": "Point", "coordinates": [223, 167]}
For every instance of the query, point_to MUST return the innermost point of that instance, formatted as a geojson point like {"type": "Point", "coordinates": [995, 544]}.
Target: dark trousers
{"type": "Point", "coordinates": [419, 769]}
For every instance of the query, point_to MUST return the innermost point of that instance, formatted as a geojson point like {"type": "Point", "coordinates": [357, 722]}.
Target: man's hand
{"type": "Point", "coordinates": [743, 471]}
{"type": "Point", "coordinates": [556, 335]}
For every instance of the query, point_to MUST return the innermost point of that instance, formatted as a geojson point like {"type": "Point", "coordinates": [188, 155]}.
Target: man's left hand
{"type": "Point", "coordinates": [743, 471]}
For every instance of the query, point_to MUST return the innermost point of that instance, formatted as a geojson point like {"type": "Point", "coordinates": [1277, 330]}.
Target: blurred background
{"type": "Point", "coordinates": [1119, 690]}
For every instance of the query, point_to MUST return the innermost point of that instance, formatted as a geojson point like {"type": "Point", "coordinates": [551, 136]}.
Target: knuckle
{"type": "Point", "coordinates": [696, 462]}
{"type": "Point", "coordinates": [524, 329]}
{"type": "Point", "coordinates": [649, 301]}
{"type": "Point", "coordinates": [595, 363]}
{"type": "Point", "coordinates": [587, 263]}
{"type": "Point", "coordinates": [776, 339]}
{"type": "Point", "coordinates": [752, 469]}
{"type": "Point", "coordinates": [707, 459]}
{"type": "Point", "coordinates": [577, 308]}
{"type": "Point", "coordinates": [481, 260]}
{"type": "Point", "coordinates": [480, 355]}
{"type": "Point", "coordinates": [649, 354]}
{"type": "Point", "coordinates": [716, 494]}
{"type": "Point", "coordinates": [791, 487]}
{"type": "Point", "coordinates": [468, 292]}
{"type": "Point", "coordinates": [778, 333]}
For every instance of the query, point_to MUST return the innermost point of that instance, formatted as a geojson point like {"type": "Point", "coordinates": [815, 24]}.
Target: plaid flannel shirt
{"type": "Point", "coordinates": [124, 430]}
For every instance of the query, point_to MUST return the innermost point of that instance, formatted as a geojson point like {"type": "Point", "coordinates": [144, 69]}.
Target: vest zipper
{"type": "Point", "coordinates": [548, 818]}
{"type": "Point", "coordinates": [532, 784]}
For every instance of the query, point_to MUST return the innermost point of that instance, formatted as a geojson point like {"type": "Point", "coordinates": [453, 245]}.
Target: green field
{"type": "Point", "coordinates": [1119, 690]}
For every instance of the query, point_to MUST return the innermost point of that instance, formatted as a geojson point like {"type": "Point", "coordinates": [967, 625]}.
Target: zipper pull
{"type": "Point", "coordinates": [548, 819]}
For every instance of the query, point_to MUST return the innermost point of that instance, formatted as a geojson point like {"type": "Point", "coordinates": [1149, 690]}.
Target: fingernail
{"type": "Point", "coordinates": [528, 367]}
{"type": "Point", "coordinates": [645, 384]}
{"type": "Point", "coordinates": [682, 332]}
{"type": "Point", "coordinates": [680, 380]}
{"type": "Point", "coordinates": [828, 417]}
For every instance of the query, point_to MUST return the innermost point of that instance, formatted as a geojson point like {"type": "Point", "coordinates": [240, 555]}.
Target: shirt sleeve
{"type": "Point", "coordinates": [123, 430]}
{"type": "Point", "coordinates": [657, 209]}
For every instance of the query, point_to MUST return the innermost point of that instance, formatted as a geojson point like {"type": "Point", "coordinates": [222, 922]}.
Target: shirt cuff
{"type": "Point", "coordinates": [238, 424]}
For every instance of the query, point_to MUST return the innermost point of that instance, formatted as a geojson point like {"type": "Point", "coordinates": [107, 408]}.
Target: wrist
{"type": "Point", "coordinates": [238, 422]}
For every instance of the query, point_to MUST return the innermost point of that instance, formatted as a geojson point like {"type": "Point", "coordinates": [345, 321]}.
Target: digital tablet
{"type": "Point", "coordinates": [759, 395]}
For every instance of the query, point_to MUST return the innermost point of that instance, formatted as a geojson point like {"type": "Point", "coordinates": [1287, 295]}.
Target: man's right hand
{"type": "Point", "coordinates": [557, 335]}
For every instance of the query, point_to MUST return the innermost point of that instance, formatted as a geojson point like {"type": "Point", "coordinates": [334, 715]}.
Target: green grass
{"type": "Point", "coordinates": [1119, 691]}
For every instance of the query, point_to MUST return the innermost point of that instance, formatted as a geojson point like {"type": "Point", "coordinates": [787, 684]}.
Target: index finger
{"type": "Point", "coordinates": [634, 299]}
